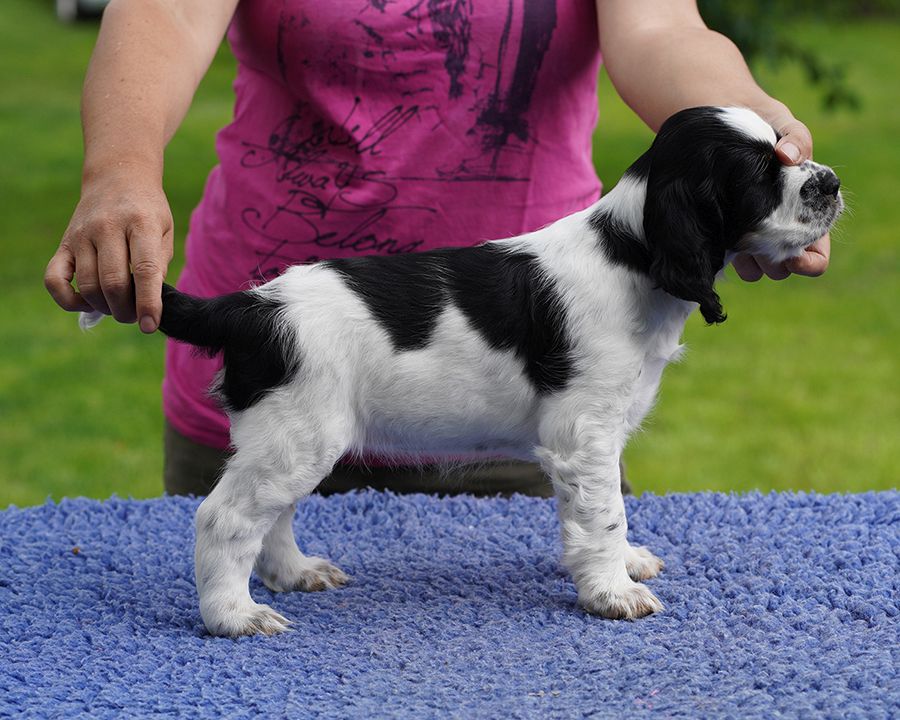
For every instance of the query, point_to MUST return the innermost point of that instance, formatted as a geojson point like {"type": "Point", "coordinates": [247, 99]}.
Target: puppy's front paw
{"type": "Point", "coordinates": [631, 601]}
{"type": "Point", "coordinates": [307, 574]}
{"type": "Point", "coordinates": [642, 564]}
{"type": "Point", "coordinates": [245, 619]}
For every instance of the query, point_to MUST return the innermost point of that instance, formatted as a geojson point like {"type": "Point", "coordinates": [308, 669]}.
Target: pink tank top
{"type": "Point", "coordinates": [384, 127]}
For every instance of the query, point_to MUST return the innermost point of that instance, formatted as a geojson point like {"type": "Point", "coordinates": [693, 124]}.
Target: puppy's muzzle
{"type": "Point", "coordinates": [823, 183]}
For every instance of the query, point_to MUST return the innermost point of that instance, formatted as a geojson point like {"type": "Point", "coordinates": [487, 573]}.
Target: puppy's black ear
{"type": "Point", "coordinates": [684, 229]}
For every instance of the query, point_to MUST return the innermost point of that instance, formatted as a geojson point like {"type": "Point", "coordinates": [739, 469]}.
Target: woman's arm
{"type": "Point", "coordinates": [662, 58]}
{"type": "Point", "coordinates": [149, 59]}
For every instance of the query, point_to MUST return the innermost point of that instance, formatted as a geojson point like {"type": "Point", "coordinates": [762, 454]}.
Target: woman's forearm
{"type": "Point", "coordinates": [660, 70]}
{"type": "Point", "coordinates": [149, 59]}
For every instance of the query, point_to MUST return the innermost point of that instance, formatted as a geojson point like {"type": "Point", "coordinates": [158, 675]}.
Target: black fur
{"type": "Point", "coordinates": [619, 244]}
{"type": "Point", "coordinates": [404, 292]}
{"type": "Point", "coordinates": [502, 293]}
{"type": "Point", "coordinates": [707, 186]}
{"type": "Point", "coordinates": [259, 352]}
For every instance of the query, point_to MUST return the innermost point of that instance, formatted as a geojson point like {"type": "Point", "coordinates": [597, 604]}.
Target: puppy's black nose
{"type": "Point", "coordinates": [830, 183]}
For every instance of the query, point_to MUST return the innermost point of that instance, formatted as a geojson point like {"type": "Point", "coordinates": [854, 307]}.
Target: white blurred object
{"type": "Point", "coordinates": [87, 320]}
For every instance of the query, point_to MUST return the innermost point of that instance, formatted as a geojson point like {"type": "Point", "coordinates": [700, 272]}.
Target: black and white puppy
{"type": "Point", "coordinates": [550, 346]}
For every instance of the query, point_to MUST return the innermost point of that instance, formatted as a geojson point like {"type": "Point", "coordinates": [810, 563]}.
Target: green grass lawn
{"type": "Point", "coordinates": [797, 390]}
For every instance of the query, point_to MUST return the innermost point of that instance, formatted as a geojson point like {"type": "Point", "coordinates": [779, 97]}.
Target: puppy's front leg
{"type": "Point", "coordinates": [594, 528]}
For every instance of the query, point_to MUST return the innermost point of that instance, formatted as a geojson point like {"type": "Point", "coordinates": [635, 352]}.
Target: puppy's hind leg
{"type": "Point", "coordinates": [283, 567]}
{"type": "Point", "coordinates": [641, 563]}
{"type": "Point", "coordinates": [230, 525]}
{"type": "Point", "coordinates": [263, 479]}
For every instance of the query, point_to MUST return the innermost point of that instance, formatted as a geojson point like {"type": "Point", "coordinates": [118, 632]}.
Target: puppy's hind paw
{"type": "Point", "coordinates": [307, 574]}
{"type": "Point", "coordinates": [633, 601]}
{"type": "Point", "coordinates": [254, 619]}
{"type": "Point", "coordinates": [642, 564]}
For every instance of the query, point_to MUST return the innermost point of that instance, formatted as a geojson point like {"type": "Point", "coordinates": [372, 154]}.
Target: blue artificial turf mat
{"type": "Point", "coordinates": [781, 605]}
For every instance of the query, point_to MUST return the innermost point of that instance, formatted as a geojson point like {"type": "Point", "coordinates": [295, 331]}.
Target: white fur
{"type": "Point", "coordinates": [786, 223]}
{"type": "Point", "coordinates": [749, 123]}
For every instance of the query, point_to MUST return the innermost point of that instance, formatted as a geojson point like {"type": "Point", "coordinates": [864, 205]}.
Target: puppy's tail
{"type": "Point", "coordinates": [212, 324]}
{"type": "Point", "coordinates": [205, 323]}
{"type": "Point", "coordinates": [246, 321]}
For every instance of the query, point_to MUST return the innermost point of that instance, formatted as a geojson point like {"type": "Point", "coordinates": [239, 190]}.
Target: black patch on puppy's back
{"type": "Point", "coordinates": [405, 292]}
{"type": "Point", "coordinates": [506, 296]}
{"type": "Point", "coordinates": [501, 292]}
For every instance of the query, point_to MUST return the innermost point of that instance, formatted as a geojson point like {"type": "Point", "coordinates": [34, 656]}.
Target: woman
{"type": "Point", "coordinates": [377, 127]}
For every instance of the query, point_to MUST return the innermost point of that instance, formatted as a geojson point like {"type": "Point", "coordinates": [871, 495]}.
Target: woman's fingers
{"type": "Point", "coordinates": [58, 281]}
{"type": "Point", "coordinates": [151, 252]}
{"type": "Point", "coordinates": [114, 275]}
{"type": "Point", "coordinates": [814, 260]}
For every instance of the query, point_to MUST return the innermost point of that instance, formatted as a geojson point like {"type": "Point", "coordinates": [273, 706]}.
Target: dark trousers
{"type": "Point", "coordinates": [192, 469]}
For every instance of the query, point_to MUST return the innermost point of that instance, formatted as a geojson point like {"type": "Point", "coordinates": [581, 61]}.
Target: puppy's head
{"type": "Point", "coordinates": [714, 186]}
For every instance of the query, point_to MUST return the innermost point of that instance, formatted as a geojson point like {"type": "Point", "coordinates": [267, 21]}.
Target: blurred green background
{"type": "Point", "coordinates": [797, 390]}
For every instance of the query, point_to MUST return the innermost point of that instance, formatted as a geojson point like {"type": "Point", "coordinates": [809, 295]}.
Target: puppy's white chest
{"type": "Point", "coordinates": [663, 346]}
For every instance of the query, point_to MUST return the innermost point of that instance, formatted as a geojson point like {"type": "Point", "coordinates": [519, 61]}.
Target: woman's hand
{"type": "Point", "coordinates": [121, 228]}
